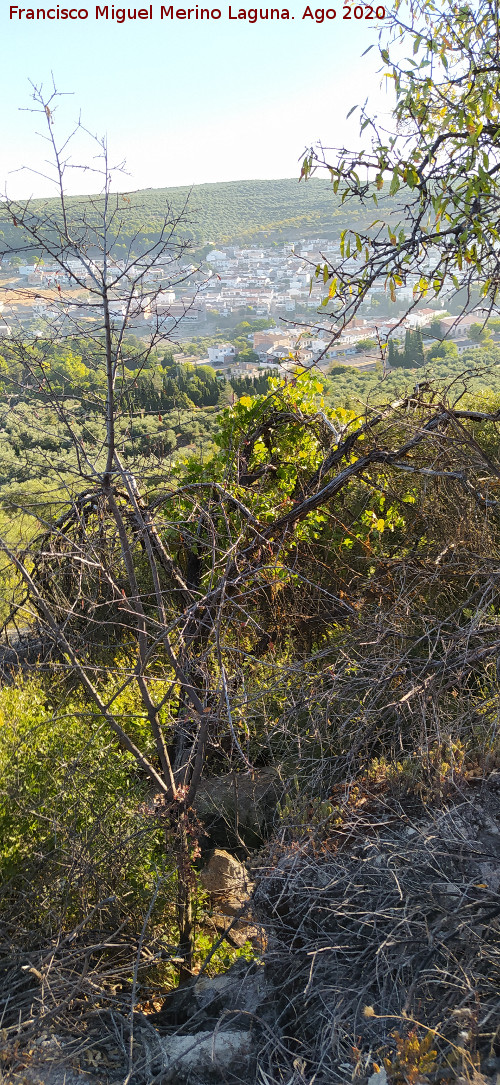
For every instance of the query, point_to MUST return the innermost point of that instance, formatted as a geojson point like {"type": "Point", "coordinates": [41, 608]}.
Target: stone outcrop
{"type": "Point", "coordinates": [204, 1056]}
{"type": "Point", "coordinates": [227, 881]}
{"type": "Point", "coordinates": [207, 1027]}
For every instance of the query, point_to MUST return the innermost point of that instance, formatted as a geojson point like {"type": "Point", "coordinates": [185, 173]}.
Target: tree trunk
{"type": "Point", "coordinates": [185, 910]}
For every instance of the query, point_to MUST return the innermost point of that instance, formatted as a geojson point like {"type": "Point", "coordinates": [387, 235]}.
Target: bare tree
{"type": "Point", "coordinates": [101, 299]}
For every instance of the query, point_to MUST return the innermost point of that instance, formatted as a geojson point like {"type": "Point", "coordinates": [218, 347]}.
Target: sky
{"type": "Point", "coordinates": [186, 102]}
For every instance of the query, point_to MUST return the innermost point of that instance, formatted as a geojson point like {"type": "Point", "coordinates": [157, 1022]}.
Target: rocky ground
{"type": "Point", "coordinates": [378, 962]}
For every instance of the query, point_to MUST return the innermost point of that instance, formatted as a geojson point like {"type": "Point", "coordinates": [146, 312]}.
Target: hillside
{"type": "Point", "coordinates": [350, 768]}
{"type": "Point", "coordinates": [251, 210]}
{"type": "Point", "coordinates": [228, 212]}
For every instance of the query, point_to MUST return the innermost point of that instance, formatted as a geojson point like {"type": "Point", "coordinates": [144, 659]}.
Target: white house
{"type": "Point", "coordinates": [223, 353]}
{"type": "Point", "coordinates": [216, 257]}
{"type": "Point", "coordinates": [457, 327]}
{"type": "Point", "coordinates": [419, 318]}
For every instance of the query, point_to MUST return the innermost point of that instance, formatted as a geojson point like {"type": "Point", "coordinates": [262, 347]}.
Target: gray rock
{"type": "Point", "coordinates": [203, 1055]}
{"type": "Point", "coordinates": [378, 1078]}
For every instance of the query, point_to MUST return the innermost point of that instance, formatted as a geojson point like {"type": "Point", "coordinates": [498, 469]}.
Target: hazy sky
{"type": "Point", "coordinates": [188, 102]}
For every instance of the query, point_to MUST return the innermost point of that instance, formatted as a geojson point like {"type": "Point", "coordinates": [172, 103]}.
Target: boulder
{"type": "Point", "coordinates": [229, 886]}
{"type": "Point", "coordinates": [204, 1055]}
{"type": "Point", "coordinates": [227, 881]}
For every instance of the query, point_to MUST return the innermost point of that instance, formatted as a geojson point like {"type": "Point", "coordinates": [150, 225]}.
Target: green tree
{"type": "Point", "coordinates": [446, 350]}
{"type": "Point", "coordinates": [434, 330]}
{"type": "Point", "coordinates": [478, 333]}
{"type": "Point", "coordinates": [444, 65]}
{"type": "Point", "coordinates": [393, 355]}
{"type": "Point", "coordinates": [418, 348]}
{"type": "Point", "coordinates": [365, 344]}
{"type": "Point", "coordinates": [408, 353]}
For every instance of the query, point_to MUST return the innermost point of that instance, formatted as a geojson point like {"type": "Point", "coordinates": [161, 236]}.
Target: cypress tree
{"type": "Point", "coordinates": [419, 348]}
{"type": "Point", "coordinates": [408, 356]}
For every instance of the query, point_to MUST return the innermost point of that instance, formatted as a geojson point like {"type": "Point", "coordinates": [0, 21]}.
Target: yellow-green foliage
{"type": "Point", "coordinates": [413, 1057]}
{"type": "Point", "coordinates": [69, 802]}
